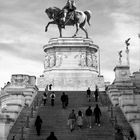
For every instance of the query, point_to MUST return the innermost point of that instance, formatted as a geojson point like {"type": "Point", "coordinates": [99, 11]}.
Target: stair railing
{"type": "Point", "coordinates": [26, 124]}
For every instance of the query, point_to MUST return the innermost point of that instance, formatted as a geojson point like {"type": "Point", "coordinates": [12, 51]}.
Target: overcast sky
{"type": "Point", "coordinates": [22, 36]}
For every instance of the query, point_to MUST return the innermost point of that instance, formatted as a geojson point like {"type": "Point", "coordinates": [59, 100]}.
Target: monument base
{"type": "Point", "coordinates": [71, 64]}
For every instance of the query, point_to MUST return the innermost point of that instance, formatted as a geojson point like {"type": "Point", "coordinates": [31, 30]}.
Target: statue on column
{"type": "Point", "coordinates": [127, 50]}
{"type": "Point", "coordinates": [120, 57]}
{"type": "Point", "coordinates": [68, 16]}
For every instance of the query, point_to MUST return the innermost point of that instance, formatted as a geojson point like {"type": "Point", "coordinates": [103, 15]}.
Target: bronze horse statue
{"type": "Point", "coordinates": [80, 19]}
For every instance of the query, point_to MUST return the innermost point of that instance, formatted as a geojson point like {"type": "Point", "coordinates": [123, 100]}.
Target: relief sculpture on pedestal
{"type": "Point", "coordinates": [47, 61]}
{"type": "Point", "coordinates": [52, 60]}
{"type": "Point", "coordinates": [89, 60]}
{"type": "Point", "coordinates": [82, 62]}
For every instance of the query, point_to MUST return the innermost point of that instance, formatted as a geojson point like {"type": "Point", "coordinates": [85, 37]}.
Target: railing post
{"type": "Point", "coordinates": [111, 112]}
{"type": "Point", "coordinates": [22, 131]}
{"type": "Point", "coordinates": [37, 102]}
{"type": "Point", "coordinates": [27, 122]}
{"type": "Point", "coordinates": [31, 112]}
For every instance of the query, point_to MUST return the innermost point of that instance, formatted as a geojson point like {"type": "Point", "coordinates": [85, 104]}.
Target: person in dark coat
{"type": "Point", "coordinates": [38, 124]}
{"type": "Point", "coordinates": [51, 136]}
{"type": "Point", "coordinates": [63, 100]}
{"type": "Point", "coordinates": [52, 96]}
{"type": "Point", "coordinates": [96, 94]}
{"type": "Point", "coordinates": [88, 114]}
{"type": "Point", "coordinates": [50, 87]}
{"type": "Point", "coordinates": [97, 114]}
{"type": "Point", "coordinates": [88, 94]}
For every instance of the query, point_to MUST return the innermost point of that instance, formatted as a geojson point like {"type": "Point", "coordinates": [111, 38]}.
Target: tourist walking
{"type": "Point", "coordinates": [118, 134]}
{"type": "Point", "coordinates": [51, 136]}
{"type": "Point", "coordinates": [80, 119]}
{"type": "Point", "coordinates": [72, 120]}
{"type": "Point", "coordinates": [96, 94]}
{"type": "Point", "coordinates": [63, 100]}
{"type": "Point", "coordinates": [52, 96]}
{"type": "Point", "coordinates": [88, 94]}
{"type": "Point", "coordinates": [88, 114]}
{"type": "Point", "coordinates": [50, 86]}
{"type": "Point", "coordinates": [38, 124]}
{"type": "Point", "coordinates": [44, 98]}
{"type": "Point", "coordinates": [97, 114]}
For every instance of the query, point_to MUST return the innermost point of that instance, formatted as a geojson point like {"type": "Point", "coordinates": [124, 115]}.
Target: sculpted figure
{"type": "Point", "coordinates": [94, 58]}
{"type": "Point", "coordinates": [63, 17]}
{"type": "Point", "coordinates": [89, 60]}
{"type": "Point", "coordinates": [83, 59]}
{"type": "Point", "coordinates": [52, 60]}
{"type": "Point", "coordinates": [58, 60]}
{"type": "Point", "coordinates": [120, 57]}
{"type": "Point", "coordinates": [46, 62]}
{"type": "Point", "coordinates": [68, 9]}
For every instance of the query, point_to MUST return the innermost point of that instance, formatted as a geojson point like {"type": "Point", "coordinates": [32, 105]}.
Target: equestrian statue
{"type": "Point", "coordinates": [68, 16]}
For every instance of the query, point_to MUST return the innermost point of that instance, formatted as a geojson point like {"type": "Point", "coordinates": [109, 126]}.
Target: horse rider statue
{"type": "Point", "coordinates": [68, 8]}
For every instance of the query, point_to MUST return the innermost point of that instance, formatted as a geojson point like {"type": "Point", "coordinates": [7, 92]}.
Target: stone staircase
{"type": "Point", "coordinates": [55, 119]}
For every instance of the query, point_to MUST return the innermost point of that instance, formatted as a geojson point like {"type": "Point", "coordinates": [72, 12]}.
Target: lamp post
{"type": "Point", "coordinates": [99, 63]}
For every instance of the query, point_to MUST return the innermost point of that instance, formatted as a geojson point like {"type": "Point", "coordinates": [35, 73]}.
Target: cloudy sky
{"type": "Point", "coordinates": [22, 36]}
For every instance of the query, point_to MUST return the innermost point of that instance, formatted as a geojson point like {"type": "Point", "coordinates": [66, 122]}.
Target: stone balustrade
{"type": "Point", "coordinates": [19, 92]}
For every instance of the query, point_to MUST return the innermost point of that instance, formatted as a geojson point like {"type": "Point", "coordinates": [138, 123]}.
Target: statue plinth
{"type": "Point", "coordinates": [71, 64]}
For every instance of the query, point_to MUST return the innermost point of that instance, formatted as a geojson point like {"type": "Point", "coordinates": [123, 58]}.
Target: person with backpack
{"type": "Point", "coordinates": [88, 114]}
{"type": "Point", "coordinates": [72, 120]}
{"type": "Point", "coordinates": [52, 96]}
{"type": "Point", "coordinates": [97, 114]}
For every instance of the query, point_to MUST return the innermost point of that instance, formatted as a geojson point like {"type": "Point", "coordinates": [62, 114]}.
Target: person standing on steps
{"type": "Point", "coordinates": [88, 94]}
{"type": "Point", "coordinates": [63, 100]}
{"type": "Point", "coordinates": [80, 119]}
{"type": "Point", "coordinates": [51, 136]}
{"type": "Point", "coordinates": [44, 98]}
{"type": "Point", "coordinates": [97, 114]}
{"type": "Point", "coordinates": [72, 120]}
{"type": "Point", "coordinates": [96, 94]}
{"type": "Point", "coordinates": [38, 124]}
{"type": "Point", "coordinates": [50, 87]}
{"type": "Point", "coordinates": [88, 114]}
{"type": "Point", "coordinates": [52, 96]}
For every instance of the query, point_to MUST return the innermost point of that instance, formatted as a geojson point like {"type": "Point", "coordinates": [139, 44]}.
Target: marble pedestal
{"type": "Point", "coordinates": [71, 64]}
